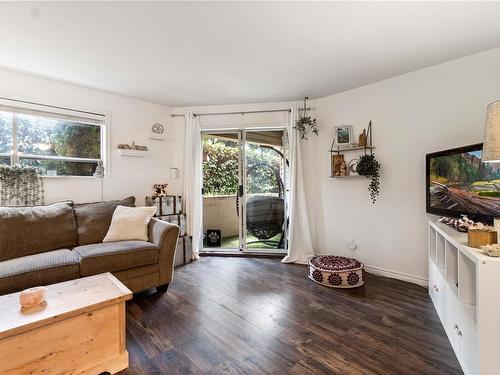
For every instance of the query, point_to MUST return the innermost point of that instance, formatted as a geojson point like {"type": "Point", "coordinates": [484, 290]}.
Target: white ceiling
{"type": "Point", "coordinates": [221, 53]}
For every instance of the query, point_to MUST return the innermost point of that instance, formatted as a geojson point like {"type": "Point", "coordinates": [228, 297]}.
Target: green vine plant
{"type": "Point", "coordinates": [369, 167]}
{"type": "Point", "coordinates": [306, 123]}
{"type": "Point", "coordinates": [21, 185]}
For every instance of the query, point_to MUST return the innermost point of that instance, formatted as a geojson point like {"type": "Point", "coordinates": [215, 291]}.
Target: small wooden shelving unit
{"type": "Point", "coordinates": [340, 150]}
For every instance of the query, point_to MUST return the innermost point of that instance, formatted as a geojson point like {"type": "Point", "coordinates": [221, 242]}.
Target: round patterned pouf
{"type": "Point", "coordinates": [336, 272]}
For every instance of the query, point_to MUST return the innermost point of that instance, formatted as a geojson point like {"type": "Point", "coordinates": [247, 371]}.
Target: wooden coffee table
{"type": "Point", "coordinates": [80, 330]}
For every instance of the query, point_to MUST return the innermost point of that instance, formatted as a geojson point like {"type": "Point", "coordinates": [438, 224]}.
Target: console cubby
{"type": "Point", "coordinates": [463, 286]}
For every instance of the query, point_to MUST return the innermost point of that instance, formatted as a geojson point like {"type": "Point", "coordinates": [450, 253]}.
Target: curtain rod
{"type": "Point", "coordinates": [52, 106]}
{"type": "Point", "coordinates": [237, 113]}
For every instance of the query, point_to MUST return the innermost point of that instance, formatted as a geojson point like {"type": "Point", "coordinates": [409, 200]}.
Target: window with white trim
{"type": "Point", "coordinates": [61, 143]}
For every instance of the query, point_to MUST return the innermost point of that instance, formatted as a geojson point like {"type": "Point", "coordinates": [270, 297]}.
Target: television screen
{"type": "Point", "coordinates": [459, 183]}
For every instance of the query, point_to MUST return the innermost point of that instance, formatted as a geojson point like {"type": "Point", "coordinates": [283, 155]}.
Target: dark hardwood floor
{"type": "Point", "coordinates": [258, 316]}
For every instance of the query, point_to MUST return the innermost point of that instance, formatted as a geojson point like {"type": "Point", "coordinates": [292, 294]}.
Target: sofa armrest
{"type": "Point", "coordinates": [164, 235]}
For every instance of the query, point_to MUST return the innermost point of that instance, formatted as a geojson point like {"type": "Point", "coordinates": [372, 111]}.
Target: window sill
{"type": "Point", "coordinates": [74, 177]}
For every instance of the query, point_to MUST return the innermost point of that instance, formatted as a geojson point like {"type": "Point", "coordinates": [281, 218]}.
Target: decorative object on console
{"type": "Point", "coordinates": [32, 297]}
{"type": "Point", "coordinates": [306, 123]}
{"type": "Point", "coordinates": [21, 185]}
{"type": "Point", "coordinates": [491, 145]}
{"type": "Point", "coordinates": [491, 250]}
{"type": "Point", "coordinates": [369, 167]}
{"type": "Point", "coordinates": [462, 225]}
{"type": "Point", "coordinates": [481, 237]}
{"type": "Point", "coordinates": [160, 190]}
{"type": "Point", "coordinates": [342, 136]}
{"type": "Point", "coordinates": [336, 272]}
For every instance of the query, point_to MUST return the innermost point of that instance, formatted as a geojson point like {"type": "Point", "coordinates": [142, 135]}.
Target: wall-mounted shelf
{"type": "Point", "coordinates": [157, 137]}
{"type": "Point", "coordinates": [348, 176]}
{"type": "Point", "coordinates": [347, 149]}
{"type": "Point", "coordinates": [133, 153]}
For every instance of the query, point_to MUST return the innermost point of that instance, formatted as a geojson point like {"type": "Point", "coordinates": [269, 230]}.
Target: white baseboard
{"type": "Point", "coordinates": [397, 275]}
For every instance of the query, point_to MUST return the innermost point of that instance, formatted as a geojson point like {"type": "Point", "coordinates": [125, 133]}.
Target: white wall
{"type": "Point", "coordinates": [131, 120]}
{"type": "Point", "coordinates": [413, 114]}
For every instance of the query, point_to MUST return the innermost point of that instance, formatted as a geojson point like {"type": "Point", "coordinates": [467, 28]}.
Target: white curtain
{"type": "Point", "coordinates": [192, 181]}
{"type": "Point", "coordinates": [300, 245]}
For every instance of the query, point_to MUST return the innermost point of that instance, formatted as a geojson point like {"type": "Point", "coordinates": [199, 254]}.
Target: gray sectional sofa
{"type": "Point", "coordinates": [43, 245]}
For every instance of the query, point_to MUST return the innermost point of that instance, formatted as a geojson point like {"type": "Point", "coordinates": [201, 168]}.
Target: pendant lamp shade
{"type": "Point", "coordinates": [491, 145]}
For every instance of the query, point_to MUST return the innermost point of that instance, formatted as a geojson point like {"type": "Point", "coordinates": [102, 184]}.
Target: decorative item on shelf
{"type": "Point", "coordinates": [481, 237]}
{"type": "Point", "coordinates": [338, 165]}
{"type": "Point", "coordinates": [369, 167]}
{"type": "Point", "coordinates": [157, 128]}
{"type": "Point", "coordinates": [99, 171]}
{"type": "Point", "coordinates": [463, 224]}
{"type": "Point", "coordinates": [306, 123]}
{"type": "Point", "coordinates": [362, 139]}
{"type": "Point", "coordinates": [342, 137]}
{"type": "Point", "coordinates": [133, 146]}
{"type": "Point", "coordinates": [353, 165]}
{"type": "Point", "coordinates": [491, 144]}
{"type": "Point", "coordinates": [492, 250]}
{"type": "Point", "coordinates": [496, 224]}
{"type": "Point", "coordinates": [160, 190]}
{"type": "Point", "coordinates": [21, 185]}
{"type": "Point", "coordinates": [32, 297]}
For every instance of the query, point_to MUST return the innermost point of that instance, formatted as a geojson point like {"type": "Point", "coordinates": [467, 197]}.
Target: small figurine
{"type": "Point", "coordinates": [160, 190]}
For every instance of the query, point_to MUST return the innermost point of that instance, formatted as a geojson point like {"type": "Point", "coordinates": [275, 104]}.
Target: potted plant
{"type": "Point", "coordinates": [369, 167]}
{"type": "Point", "coordinates": [306, 123]}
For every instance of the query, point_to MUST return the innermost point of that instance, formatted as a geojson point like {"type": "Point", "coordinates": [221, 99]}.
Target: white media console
{"type": "Point", "coordinates": [464, 286]}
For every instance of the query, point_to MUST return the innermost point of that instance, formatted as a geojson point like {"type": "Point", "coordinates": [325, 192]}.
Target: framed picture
{"type": "Point", "coordinates": [342, 136]}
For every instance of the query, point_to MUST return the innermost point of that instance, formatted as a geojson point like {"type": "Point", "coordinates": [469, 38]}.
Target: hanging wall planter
{"type": "Point", "coordinates": [369, 167]}
{"type": "Point", "coordinates": [306, 123]}
{"type": "Point", "coordinates": [20, 185]}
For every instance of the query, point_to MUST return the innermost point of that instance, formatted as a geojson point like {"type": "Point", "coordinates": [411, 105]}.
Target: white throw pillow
{"type": "Point", "coordinates": [130, 223]}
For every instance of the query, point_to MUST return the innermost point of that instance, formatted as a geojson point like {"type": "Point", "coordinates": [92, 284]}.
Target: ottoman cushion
{"type": "Point", "coordinates": [336, 272]}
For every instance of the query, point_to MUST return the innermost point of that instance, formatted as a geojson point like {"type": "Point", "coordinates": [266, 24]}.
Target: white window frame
{"type": "Point", "coordinates": [25, 106]}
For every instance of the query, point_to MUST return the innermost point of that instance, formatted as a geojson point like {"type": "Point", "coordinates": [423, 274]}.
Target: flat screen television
{"type": "Point", "coordinates": [459, 183]}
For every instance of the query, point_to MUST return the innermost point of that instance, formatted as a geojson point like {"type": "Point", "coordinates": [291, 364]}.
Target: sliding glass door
{"type": "Point", "coordinates": [244, 191]}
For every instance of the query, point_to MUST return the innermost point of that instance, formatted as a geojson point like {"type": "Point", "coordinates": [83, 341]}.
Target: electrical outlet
{"type": "Point", "coordinates": [352, 245]}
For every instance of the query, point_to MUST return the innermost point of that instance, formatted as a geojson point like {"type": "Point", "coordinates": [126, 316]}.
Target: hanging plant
{"type": "Point", "coordinates": [369, 167]}
{"type": "Point", "coordinates": [306, 123]}
{"type": "Point", "coordinates": [22, 185]}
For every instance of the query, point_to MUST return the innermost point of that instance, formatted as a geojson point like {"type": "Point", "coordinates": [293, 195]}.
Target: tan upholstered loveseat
{"type": "Point", "coordinates": [63, 241]}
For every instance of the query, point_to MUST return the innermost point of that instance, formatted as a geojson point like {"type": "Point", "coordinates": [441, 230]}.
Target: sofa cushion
{"type": "Point", "coordinates": [30, 230]}
{"type": "Point", "coordinates": [115, 256]}
{"type": "Point", "coordinates": [93, 219]}
{"type": "Point", "coordinates": [39, 269]}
